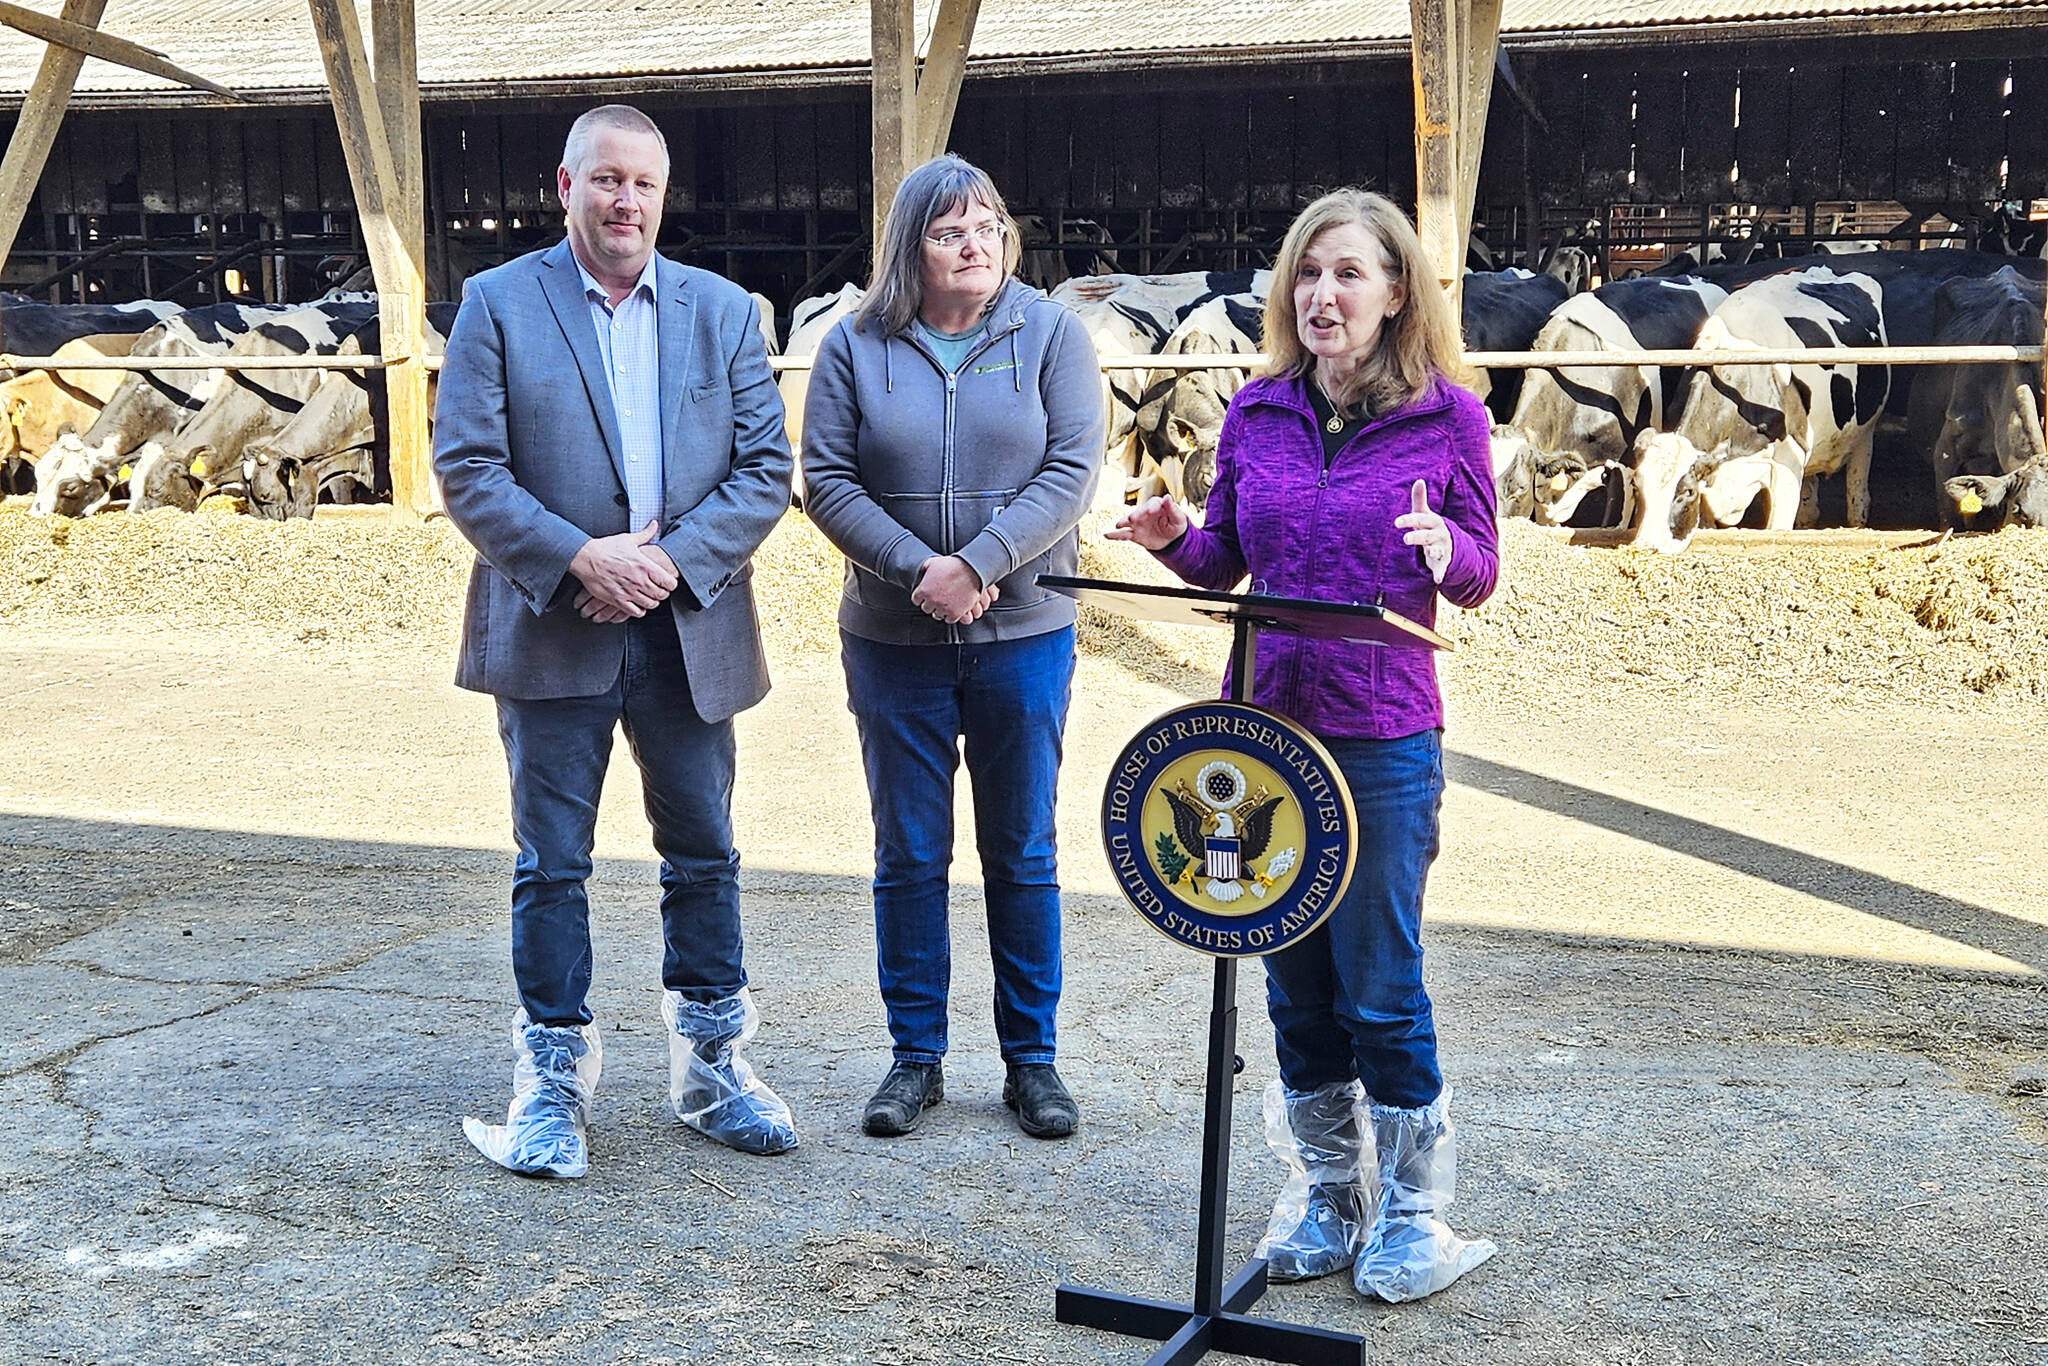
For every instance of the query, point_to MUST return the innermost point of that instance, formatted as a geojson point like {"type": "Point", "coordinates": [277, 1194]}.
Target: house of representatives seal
{"type": "Point", "coordinates": [1229, 828]}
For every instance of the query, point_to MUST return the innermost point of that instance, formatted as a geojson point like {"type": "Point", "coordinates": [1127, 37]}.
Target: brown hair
{"type": "Point", "coordinates": [1415, 345]}
{"type": "Point", "coordinates": [933, 190]}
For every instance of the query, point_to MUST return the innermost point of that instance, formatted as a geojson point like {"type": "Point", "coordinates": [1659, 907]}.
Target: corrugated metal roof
{"type": "Point", "coordinates": [267, 45]}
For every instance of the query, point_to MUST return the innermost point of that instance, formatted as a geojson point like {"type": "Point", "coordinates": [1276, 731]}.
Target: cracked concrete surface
{"type": "Point", "coordinates": [1741, 1040]}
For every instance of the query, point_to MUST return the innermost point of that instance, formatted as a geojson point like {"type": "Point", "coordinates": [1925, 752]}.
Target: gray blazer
{"type": "Point", "coordinates": [527, 450]}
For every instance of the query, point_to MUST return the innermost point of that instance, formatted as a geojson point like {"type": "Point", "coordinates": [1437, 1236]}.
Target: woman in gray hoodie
{"type": "Point", "coordinates": [953, 433]}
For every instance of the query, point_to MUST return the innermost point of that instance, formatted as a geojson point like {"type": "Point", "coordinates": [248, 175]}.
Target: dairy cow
{"type": "Point", "coordinates": [1974, 419]}
{"type": "Point", "coordinates": [1770, 428]}
{"type": "Point", "coordinates": [205, 453]}
{"type": "Point", "coordinates": [37, 405]}
{"type": "Point", "coordinates": [1574, 430]}
{"type": "Point", "coordinates": [81, 472]}
{"type": "Point", "coordinates": [809, 321]}
{"type": "Point", "coordinates": [33, 329]}
{"type": "Point", "coordinates": [335, 445]}
{"type": "Point", "coordinates": [1183, 413]}
{"type": "Point", "coordinates": [1504, 310]}
{"type": "Point", "coordinates": [1135, 315]}
{"type": "Point", "coordinates": [2016, 499]}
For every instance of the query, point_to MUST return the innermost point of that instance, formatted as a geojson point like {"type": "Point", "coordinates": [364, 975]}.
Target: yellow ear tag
{"type": "Point", "coordinates": [125, 472]}
{"type": "Point", "coordinates": [1971, 504]}
{"type": "Point", "coordinates": [199, 468]}
{"type": "Point", "coordinates": [1559, 483]}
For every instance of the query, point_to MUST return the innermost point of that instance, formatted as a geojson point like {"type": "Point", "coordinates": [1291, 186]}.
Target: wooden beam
{"type": "Point", "coordinates": [1481, 44]}
{"type": "Point", "coordinates": [403, 320]}
{"type": "Point", "coordinates": [1434, 44]}
{"type": "Point", "coordinates": [381, 207]}
{"type": "Point", "coordinates": [27, 151]}
{"type": "Point", "coordinates": [86, 39]}
{"type": "Point", "coordinates": [893, 36]}
{"type": "Point", "coordinates": [945, 63]}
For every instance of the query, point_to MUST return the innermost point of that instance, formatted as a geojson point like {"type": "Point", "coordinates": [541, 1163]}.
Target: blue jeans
{"type": "Point", "coordinates": [914, 704]}
{"type": "Point", "coordinates": [1347, 1002]}
{"type": "Point", "coordinates": [557, 749]}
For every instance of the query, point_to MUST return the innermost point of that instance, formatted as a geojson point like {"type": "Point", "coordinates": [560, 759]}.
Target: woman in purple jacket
{"type": "Point", "coordinates": [1355, 470]}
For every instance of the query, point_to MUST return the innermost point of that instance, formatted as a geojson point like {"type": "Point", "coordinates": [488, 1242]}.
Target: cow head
{"type": "Point", "coordinates": [1667, 491]}
{"type": "Point", "coordinates": [2016, 499]}
{"type": "Point", "coordinates": [1514, 473]}
{"type": "Point", "coordinates": [161, 479]}
{"type": "Point", "coordinates": [276, 489]}
{"type": "Point", "coordinates": [74, 479]}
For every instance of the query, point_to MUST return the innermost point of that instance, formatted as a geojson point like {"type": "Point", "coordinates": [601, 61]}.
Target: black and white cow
{"type": "Point", "coordinates": [1973, 419]}
{"type": "Point", "coordinates": [33, 329]}
{"type": "Point", "coordinates": [80, 473]}
{"type": "Point", "coordinates": [1503, 310]}
{"type": "Point", "coordinates": [809, 322]}
{"type": "Point", "coordinates": [205, 453]}
{"type": "Point", "coordinates": [337, 444]}
{"type": "Point", "coordinates": [2016, 499]}
{"type": "Point", "coordinates": [1574, 430]}
{"type": "Point", "coordinates": [1183, 414]}
{"type": "Point", "coordinates": [1770, 428]}
{"type": "Point", "coordinates": [1135, 315]}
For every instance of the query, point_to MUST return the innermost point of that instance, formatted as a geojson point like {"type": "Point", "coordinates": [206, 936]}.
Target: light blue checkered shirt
{"type": "Point", "coordinates": [630, 344]}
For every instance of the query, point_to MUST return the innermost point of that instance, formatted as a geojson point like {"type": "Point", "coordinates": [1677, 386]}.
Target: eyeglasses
{"type": "Point", "coordinates": [987, 235]}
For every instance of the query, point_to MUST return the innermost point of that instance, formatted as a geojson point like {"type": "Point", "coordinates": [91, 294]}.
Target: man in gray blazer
{"type": "Point", "coordinates": [610, 439]}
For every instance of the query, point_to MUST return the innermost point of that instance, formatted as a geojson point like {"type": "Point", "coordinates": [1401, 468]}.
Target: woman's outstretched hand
{"type": "Point", "coordinates": [1427, 530]}
{"type": "Point", "coordinates": [1154, 524]}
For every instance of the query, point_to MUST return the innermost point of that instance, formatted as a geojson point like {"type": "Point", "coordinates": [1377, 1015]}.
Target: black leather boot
{"type": "Point", "coordinates": [1044, 1107]}
{"type": "Point", "coordinates": [910, 1089]}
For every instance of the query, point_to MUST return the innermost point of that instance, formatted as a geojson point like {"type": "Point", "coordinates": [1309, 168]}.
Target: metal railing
{"type": "Point", "coordinates": [1485, 360]}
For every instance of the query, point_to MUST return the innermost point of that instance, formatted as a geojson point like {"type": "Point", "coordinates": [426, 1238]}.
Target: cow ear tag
{"type": "Point", "coordinates": [199, 467]}
{"type": "Point", "coordinates": [125, 472]}
{"type": "Point", "coordinates": [1971, 504]}
{"type": "Point", "coordinates": [1559, 483]}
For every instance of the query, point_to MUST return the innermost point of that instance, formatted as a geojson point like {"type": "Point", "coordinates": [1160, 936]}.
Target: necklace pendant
{"type": "Point", "coordinates": [1334, 425]}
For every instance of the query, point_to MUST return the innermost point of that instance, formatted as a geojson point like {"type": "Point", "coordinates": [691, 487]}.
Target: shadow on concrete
{"type": "Point", "coordinates": [1993, 931]}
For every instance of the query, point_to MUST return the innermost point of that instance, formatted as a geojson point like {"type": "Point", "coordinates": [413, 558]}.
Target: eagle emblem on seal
{"type": "Point", "coordinates": [1220, 829]}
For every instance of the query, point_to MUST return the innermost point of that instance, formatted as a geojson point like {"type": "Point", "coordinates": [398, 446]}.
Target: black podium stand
{"type": "Point", "coordinates": [1216, 1321]}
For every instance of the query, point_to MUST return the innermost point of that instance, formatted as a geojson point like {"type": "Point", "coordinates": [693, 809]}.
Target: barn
{"type": "Point", "coordinates": [1169, 136]}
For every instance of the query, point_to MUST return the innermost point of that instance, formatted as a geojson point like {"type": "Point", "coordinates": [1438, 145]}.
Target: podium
{"type": "Point", "coordinates": [1216, 1319]}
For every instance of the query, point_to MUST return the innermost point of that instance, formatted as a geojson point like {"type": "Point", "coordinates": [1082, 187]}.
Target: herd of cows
{"type": "Point", "coordinates": [1655, 451]}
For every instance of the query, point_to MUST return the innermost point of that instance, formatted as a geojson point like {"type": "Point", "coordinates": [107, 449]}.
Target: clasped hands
{"type": "Point", "coordinates": [623, 576]}
{"type": "Point", "coordinates": [948, 588]}
{"type": "Point", "coordinates": [1158, 522]}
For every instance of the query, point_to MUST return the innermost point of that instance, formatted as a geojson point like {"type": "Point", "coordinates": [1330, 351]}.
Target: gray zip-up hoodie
{"type": "Point", "coordinates": [995, 463]}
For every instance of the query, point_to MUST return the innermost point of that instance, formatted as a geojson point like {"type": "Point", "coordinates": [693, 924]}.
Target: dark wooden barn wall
{"type": "Point", "coordinates": [1907, 131]}
{"type": "Point", "coordinates": [1911, 131]}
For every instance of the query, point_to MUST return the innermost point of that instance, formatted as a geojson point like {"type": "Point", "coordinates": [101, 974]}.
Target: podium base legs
{"type": "Point", "coordinates": [1186, 1336]}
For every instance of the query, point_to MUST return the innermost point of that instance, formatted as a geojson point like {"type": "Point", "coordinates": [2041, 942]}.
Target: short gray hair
{"type": "Point", "coordinates": [933, 190]}
{"type": "Point", "coordinates": [623, 117]}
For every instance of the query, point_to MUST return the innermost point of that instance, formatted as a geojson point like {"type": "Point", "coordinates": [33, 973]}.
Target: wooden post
{"type": "Point", "coordinates": [1481, 48]}
{"type": "Point", "coordinates": [382, 212]}
{"type": "Point", "coordinates": [938, 85]}
{"type": "Point", "coordinates": [1435, 40]}
{"type": "Point", "coordinates": [893, 34]}
{"type": "Point", "coordinates": [403, 316]}
{"type": "Point", "coordinates": [41, 113]}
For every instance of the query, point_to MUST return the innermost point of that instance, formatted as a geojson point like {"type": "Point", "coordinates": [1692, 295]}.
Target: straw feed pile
{"type": "Point", "coordinates": [1734, 619]}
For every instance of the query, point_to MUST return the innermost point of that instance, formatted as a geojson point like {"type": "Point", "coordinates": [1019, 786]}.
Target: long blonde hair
{"type": "Point", "coordinates": [1415, 345]}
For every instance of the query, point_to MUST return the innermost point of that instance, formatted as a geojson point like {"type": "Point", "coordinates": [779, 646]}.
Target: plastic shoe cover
{"type": "Point", "coordinates": [1412, 1252]}
{"type": "Point", "coordinates": [710, 1086]}
{"type": "Point", "coordinates": [554, 1076]}
{"type": "Point", "coordinates": [1324, 1210]}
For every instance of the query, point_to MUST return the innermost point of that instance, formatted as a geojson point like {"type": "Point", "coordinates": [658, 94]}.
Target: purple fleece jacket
{"type": "Point", "coordinates": [1302, 531]}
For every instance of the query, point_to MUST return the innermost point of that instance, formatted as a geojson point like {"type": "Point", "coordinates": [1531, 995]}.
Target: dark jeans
{"type": "Point", "coordinates": [557, 749]}
{"type": "Point", "coordinates": [1348, 1001]}
{"type": "Point", "coordinates": [914, 705]}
